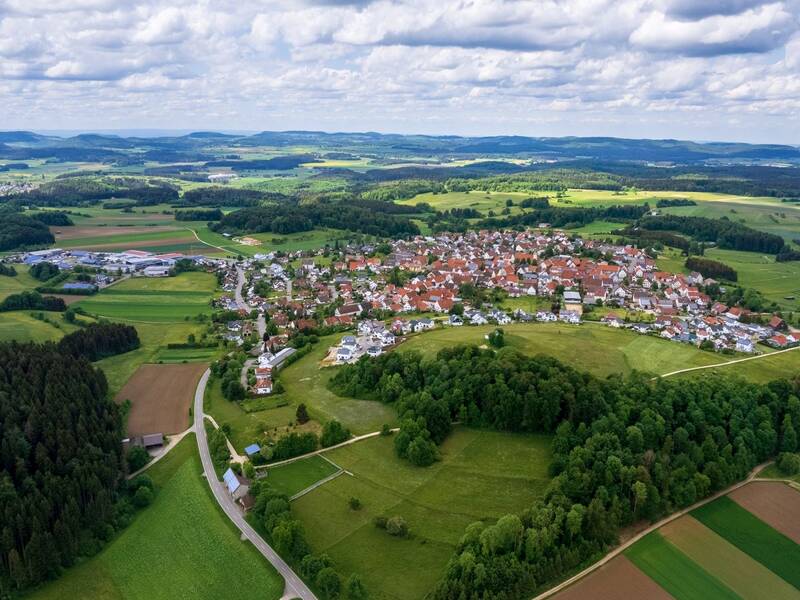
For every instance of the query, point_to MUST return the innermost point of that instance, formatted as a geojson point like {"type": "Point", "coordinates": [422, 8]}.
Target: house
{"type": "Point", "coordinates": [613, 321]}
{"type": "Point", "coordinates": [238, 487]}
{"type": "Point", "coordinates": [344, 354]}
{"type": "Point", "coordinates": [252, 449]}
{"type": "Point", "coordinates": [423, 324]}
{"type": "Point", "coordinates": [374, 351]}
{"type": "Point", "coordinates": [349, 341]}
{"type": "Point", "coordinates": [569, 316]}
{"type": "Point", "coordinates": [455, 321]}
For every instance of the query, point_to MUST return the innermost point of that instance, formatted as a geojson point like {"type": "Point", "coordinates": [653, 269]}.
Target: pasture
{"type": "Point", "coordinates": [161, 396]}
{"type": "Point", "coordinates": [481, 201]}
{"type": "Point", "coordinates": [596, 348]}
{"type": "Point", "coordinates": [296, 476]}
{"type": "Point", "coordinates": [162, 299]}
{"type": "Point", "coordinates": [482, 476]}
{"type": "Point", "coordinates": [21, 282]}
{"type": "Point", "coordinates": [22, 327]}
{"type": "Point", "coordinates": [181, 546]}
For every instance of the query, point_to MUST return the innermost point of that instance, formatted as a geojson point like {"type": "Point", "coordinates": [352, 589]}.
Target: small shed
{"type": "Point", "coordinates": [252, 449]}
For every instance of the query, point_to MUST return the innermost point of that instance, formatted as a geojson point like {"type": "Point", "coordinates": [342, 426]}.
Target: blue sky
{"type": "Point", "coordinates": [696, 69]}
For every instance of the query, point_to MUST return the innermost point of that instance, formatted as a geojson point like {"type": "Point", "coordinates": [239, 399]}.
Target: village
{"type": "Point", "coordinates": [377, 296]}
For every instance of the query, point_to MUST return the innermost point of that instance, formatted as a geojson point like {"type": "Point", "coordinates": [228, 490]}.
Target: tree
{"type": "Point", "coordinates": [788, 435]}
{"type": "Point", "coordinates": [397, 526]}
{"type": "Point", "coordinates": [137, 458]}
{"type": "Point", "coordinates": [355, 588]}
{"type": "Point", "coordinates": [789, 463]}
{"type": "Point", "coordinates": [143, 497]}
{"type": "Point", "coordinates": [354, 503]}
{"type": "Point", "coordinates": [329, 582]}
{"type": "Point", "coordinates": [333, 433]}
{"type": "Point", "coordinates": [301, 414]}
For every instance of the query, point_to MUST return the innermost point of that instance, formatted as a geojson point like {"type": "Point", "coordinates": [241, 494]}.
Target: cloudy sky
{"type": "Point", "coordinates": [697, 69]}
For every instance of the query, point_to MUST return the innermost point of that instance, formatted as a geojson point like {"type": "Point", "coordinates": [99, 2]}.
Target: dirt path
{"type": "Point", "coordinates": [622, 547]}
{"type": "Point", "coordinates": [724, 364]}
{"type": "Point", "coordinates": [173, 441]}
{"type": "Point", "coordinates": [197, 237]}
{"type": "Point", "coordinates": [238, 458]}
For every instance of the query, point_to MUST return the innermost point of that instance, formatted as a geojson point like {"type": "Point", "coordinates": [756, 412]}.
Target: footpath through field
{"type": "Point", "coordinates": [293, 585]}
{"type": "Point", "coordinates": [725, 364]}
{"type": "Point", "coordinates": [622, 547]}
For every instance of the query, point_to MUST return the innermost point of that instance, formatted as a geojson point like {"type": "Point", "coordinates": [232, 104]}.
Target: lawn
{"type": "Point", "coordinates": [752, 536]}
{"type": "Point", "coordinates": [599, 349]}
{"type": "Point", "coordinates": [482, 476]}
{"type": "Point", "coordinates": [182, 546]}
{"type": "Point", "coordinates": [675, 572]}
{"type": "Point", "coordinates": [143, 299]}
{"type": "Point", "coordinates": [296, 476]}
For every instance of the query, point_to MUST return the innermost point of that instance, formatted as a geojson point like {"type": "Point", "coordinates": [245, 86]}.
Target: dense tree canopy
{"type": "Point", "coordinates": [100, 340]}
{"type": "Point", "coordinates": [625, 448]}
{"type": "Point", "coordinates": [53, 217]}
{"type": "Point", "coordinates": [18, 230]}
{"type": "Point", "coordinates": [711, 268]}
{"type": "Point", "coordinates": [60, 461]}
{"type": "Point", "coordinates": [725, 233]}
{"type": "Point", "coordinates": [32, 300]}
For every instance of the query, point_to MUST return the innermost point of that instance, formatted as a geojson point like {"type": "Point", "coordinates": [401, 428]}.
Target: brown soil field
{"type": "Point", "coordinates": [70, 298]}
{"type": "Point", "coordinates": [77, 232]}
{"type": "Point", "coordinates": [619, 579]}
{"type": "Point", "coordinates": [161, 396]}
{"type": "Point", "coordinates": [773, 502]}
{"type": "Point", "coordinates": [745, 576]}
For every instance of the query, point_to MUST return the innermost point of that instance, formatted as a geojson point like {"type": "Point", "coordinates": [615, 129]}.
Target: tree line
{"type": "Point", "coordinates": [711, 268]}
{"type": "Point", "coordinates": [625, 449]}
{"type": "Point", "coordinates": [32, 301]}
{"type": "Point", "coordinates": [100, 340]}
{"type": "Point", "coordinates": [198, 214]}
{"type": "Point", "coordinates": [285, 219]}
{"type": "Point", "coordinates": [17, 230]}
{"type": "Point", "coordinates": [723, 232]}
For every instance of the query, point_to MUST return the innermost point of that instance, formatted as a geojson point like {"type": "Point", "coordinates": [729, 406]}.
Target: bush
{"type": "Point", "coordinates": [302, 414]}
{"type": "Point", "coordinates": [386, 430]}
{"type": "Point", "coordinates": [354, 503]}
{"type": "Point", "coordinates": [329, 582]}
{"type": "Point", "coordinates": [789, 463]}
{"type": "Point", "coordinates": [397, 527]}
{"type": "Point", "coordinates": [137, 458]}
{"type": "Point", "coordinates": [354, 588]}
{"type": "Point", "coordinates": [333, 433]}
{"type": "Point", "coordinates": [143, 497]}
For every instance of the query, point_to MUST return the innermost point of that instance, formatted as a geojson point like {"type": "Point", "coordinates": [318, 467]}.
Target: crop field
{"type": "Point", "coordinates": [181, 546]}
{"type": "Point", "coordinates": [296, 476]}
{"type": "Point", "coordinates": [161, 396]}
{"type": "Point", "coordinates": [162, 239]}
{"type": "Point", "coordinates": [161, 299]}
{"type": "Point", "coordinates": [751, 535]}
{"type": "Point", "coordinates": [619, 579]}
{"type": "Point", "coordinates": [676, 572]}
{"type": "Point", "coordinates": [599, 349]}
{"type": "Point", "coordinates": [482, 476]}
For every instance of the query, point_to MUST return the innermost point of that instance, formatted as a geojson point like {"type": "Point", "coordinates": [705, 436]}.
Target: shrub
{"type": "Point", "coordinates": [354, 503]}
{"type": "Point", "coordinates": [397, 526]}
{"type": "Point", "coordinates": [333, 433]}
{"type": "Point", "coordinates": [789, 463]}
{"type": "Point", "coordinates": [329, 582]}
{"type": "Point", "coordinates": [143, 497]}
{"type": "Point", "coordinates": [386, 430]}
{"type": "Point", "coordinates": [137, 458]}
{"type": "Point", "coordinates": [302, 414]}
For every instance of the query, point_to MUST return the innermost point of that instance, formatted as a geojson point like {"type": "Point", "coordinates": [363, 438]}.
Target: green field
{"type": "Point", "coordinates": [22, 327]}
{"type": "Point", "coordinates": [752, 536]}
{"type": "Point", "coordinates": [305, 240]}
{"type": "Point", "coordinates": [675, 572]}
{"type": "Point", "coordinates": [154, 299]}
{"type": "Point", "coordinates": [482, 476]}
{"type": "Point", "coordinates": [296, 476]}
{"type": "Point", "coordinates": [480, 201]}
{"type": "Point", "coordinates": [19, 283]}
{"type": "Point", "coordinates": [596, 348]}
{"type": "Point", "coordinates": [182, 546]}
{"type": "Point", "coordinates": [305, 382]}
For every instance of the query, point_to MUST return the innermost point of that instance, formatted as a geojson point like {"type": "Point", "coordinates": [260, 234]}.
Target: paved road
{"type": "Point", "coordinates": [239, 285]}
{"type": "Point", "coordinates": [293, 585]}
{"type": "Point", "coordinates": [621, 548]}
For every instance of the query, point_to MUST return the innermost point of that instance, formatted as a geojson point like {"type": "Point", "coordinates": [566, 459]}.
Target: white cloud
{"type": "Point", "coordinates": [445, 65]}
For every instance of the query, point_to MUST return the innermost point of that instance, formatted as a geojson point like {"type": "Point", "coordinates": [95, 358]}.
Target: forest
{"type": "Point", "coordinates": [32, 301]}
{"type": "Point", "coordinates": [61, 463]}
{"type": "Point", "coordinates": [198, 214]}
{"type": "Point", "coordinates": [724, 233]}
{"type": "Point", "coordinates": [18, 230]}
{"type": "Point", "coordinates": [711, 268]}
{"type": "Point", "coordinates": [283, 219]}
{"type": "Point", "coordinates": [53, 217]}
{"type": "Point", "coordinates": [100, 340]}
{"type": "Point", "coordinates": [218, 196]}
{"type": "Point", "coordinates": [567, 217]}
{"type": "Point", "coordinates": [79, 190]}
{"type": "Point", "coordinates": [626, 449]}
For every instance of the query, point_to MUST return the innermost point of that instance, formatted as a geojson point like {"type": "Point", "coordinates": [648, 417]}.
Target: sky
{"type": "Point", "coordinates": [690, 69]}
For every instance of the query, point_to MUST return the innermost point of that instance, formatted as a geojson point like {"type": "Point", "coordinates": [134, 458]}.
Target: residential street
{"type": "Point", "coordinates": [294, 586]}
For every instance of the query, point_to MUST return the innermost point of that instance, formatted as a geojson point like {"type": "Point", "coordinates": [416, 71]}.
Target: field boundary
{"type": "Point", "coordinates": [654, 527]}
{"type": "Point", "coordinates": [724, 364]}
{"type": "Point", "coordinates": [317, 484]}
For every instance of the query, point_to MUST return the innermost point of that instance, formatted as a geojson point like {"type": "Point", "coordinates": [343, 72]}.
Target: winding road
{"type": "Point", "coordinates": [293, 585]}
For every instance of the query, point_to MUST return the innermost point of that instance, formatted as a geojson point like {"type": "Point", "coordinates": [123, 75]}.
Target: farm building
{"type": "Point", "coordinates": [238, 487]}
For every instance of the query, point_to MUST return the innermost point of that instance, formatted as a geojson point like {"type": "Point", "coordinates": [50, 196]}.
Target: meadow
{"type": "Point", "coordinates": [599, 349]}
{"type": "Point", "coordinates": [21, 282]}
{"type": "Point", "coordinates": [155, 299]}
{"type": "Point", "coordinates": [296, 476]}
{"type": "Point", "coordinates": [22, 327]}
{"type": "Point", "coordinates": [181, 546]}
{"type": "Point", "coordinates": [482, 476]}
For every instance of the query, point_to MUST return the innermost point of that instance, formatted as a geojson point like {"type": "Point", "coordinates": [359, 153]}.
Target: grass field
{"type": "Point", "coordinates": [762, 370]}
{"type": "Point", "coordinates": [306, 240]}
{"type": "Point", "coordinates": [182, 546]}
{"type": "Point", "coordinates": [599, 349]}
{"type": "Point", "coordinates": [482, 476]}
{"type": "Point", "coordinates": [753, 537]}
{"type": "Point", "coordinates": [296, 476]}
{"type": "Point", "coordinates": [21, 282]}
{"type": "Point", "coordinates": [22, 327]}
{"type": "Point", "coordinates": [675, 572]}
{"type": "Point", "coordinates": [155, 299]}
{"type": "Point", "coordinates": [305, 382]}
{"type": "Point", "coordinates": [480, 201]}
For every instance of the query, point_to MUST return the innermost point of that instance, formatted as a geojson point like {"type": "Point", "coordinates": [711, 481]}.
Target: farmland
{"type": "Point", "coordinates": [161, 396]}
{"type": "Point", "coordinates": [165, 554]}
{"type": "Point", "coordinates": [21, 326]}
{"type": "Point", "coordinates": [482, 476]}
{"type": "Point", "coordinates": [167, 299]}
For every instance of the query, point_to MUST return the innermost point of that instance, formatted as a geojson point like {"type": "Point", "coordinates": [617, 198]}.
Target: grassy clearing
{"type": "Point", "coordinates": [676, 572]}
{"type": "Point", "coordinates": [480, 201]}
{"type": "Point", "coordinates": [22, 327]}
{"type": "Point", "coordinates": [763, 370]}
{"type": "Point", "coordinates": [482, 476]}
{"type": "Point", "coordinates": [20, 283]}
{"type": "Point", "coordinates": [597, 348]}
{"type": "Point", "coordinates": [752, 536]}
{"type": "Point", "coordinates": [181, 546]}
{"type": "Point", "coordinates": [306, 240]}
{"type": "Point", "coordinates": [773, 472]}
{"type": "Point", "coordinates": [305, 382]}
{"type": "Point", "coordinates": [168, 299]}
{"type": "Point", "coordinates": [297, 476]}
